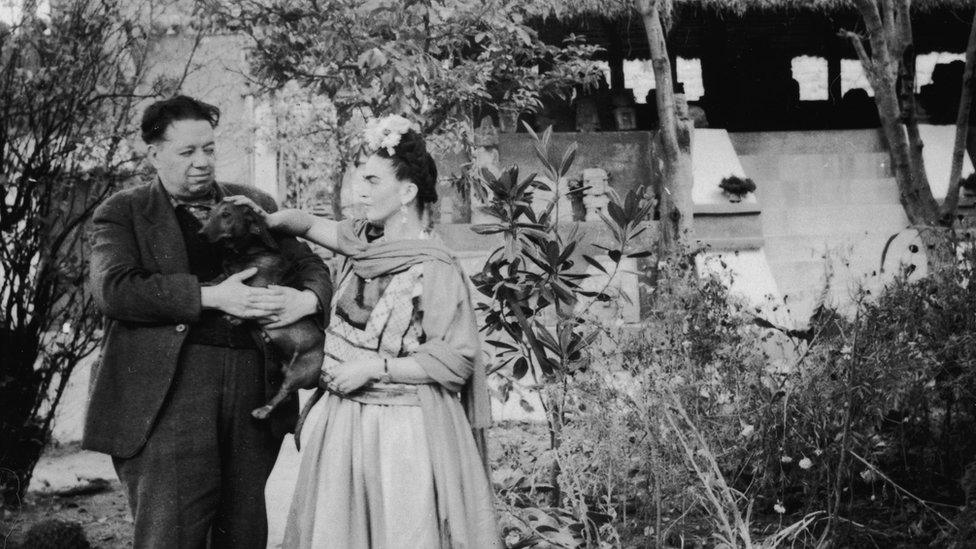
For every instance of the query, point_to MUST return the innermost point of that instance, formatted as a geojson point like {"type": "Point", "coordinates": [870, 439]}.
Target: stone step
{"type": "Point", "coordinates": [711, 226]}
{"type": "Point", "coordinates": [834, 141]}
{"type": "Point", "coordinates": [790, 192]}
{"type": "Point", "coordinates": [833, 220]}
{"type": "Point", "coordinates": [868, 165]}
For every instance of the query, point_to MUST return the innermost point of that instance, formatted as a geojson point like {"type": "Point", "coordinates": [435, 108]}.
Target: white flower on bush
{"type": "Point", "coordinates": [385, 133]}
{"type": "Point", "coordinates": [747, 431]}
{"type": "Point", "coordinates": [786, 459]}
{"type": "Point", "coordinates": [779, 508]}
{"type": "Point", "coordinates": [806, 463]}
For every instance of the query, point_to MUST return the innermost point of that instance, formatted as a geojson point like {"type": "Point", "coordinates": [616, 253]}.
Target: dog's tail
{"type": "Point", "coordinates": [304, 415]}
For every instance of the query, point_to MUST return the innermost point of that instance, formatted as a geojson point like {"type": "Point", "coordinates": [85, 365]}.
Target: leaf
{"type": "Point", "coordinates": [520, 368]}
{"type": "Point", "coordinates": [488, 228]}
{"type": "Point", "coordinates": [595, 263]}
{"type": "Point", "coordinates": [565, 294]}
{"type": "Point", "coordinates": [501, 344]}
{"type": "Point", "coordinates": [567, 160]}
{"type": "Point", "coordinates": [546, 365]}
{"type": "Point", "coordinates": [544, 337]}
{"type": "Point", "coordinates": [638, 255]}
{"type": "Point", "coordinates": [617, 214]}
{"type": "Point", "coordinates": [614, 255]}
{"type": "Point", "coordinates": [763, 323]}
{"type": "Point", "coordinates": [567, 252]}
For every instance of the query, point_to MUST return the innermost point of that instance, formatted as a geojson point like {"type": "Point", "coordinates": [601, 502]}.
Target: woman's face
{"type": "Point", "coordinates": [380, 192]}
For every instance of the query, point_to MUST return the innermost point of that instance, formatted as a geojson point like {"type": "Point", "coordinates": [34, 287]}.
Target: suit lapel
{"type": "Point", "coordinates": [164, 237]}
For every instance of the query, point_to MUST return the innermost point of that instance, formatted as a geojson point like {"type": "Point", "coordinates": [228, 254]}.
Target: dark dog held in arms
{"type": "Point", "coordinates": [248, 243]}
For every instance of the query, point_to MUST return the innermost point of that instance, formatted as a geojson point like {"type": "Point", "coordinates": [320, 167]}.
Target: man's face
{"type": "Point", "coordinates": [184, 159]}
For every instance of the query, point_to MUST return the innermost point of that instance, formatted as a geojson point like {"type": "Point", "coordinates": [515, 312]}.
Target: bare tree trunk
{"type": "Point", "coordinates": [962, 128]}
{"type": "Point", "coordinates": [882, 70]}
{"type": "Point", "coordinates": [889, 32]}
{"type": "Point", "coordinates": [903, 48]}
{"type": "Point", "coordinates": [674, 136]}
{"type": "Point", "coordinates": [337, 179]}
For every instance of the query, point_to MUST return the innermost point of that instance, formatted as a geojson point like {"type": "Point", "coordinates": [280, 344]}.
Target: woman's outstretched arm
{"type": "Point", "coordinates": [324, 232]}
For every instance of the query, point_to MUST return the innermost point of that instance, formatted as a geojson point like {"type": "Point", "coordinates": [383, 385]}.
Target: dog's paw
{"type": "Point", "coordinates": [262, 412]}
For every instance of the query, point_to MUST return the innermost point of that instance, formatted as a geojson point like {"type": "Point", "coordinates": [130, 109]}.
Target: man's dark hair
{"type": "Point", "coordinates": [158, 116]}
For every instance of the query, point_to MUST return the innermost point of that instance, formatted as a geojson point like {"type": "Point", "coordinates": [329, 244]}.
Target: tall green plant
{"type": "Point", "coordinates": [534, 279]}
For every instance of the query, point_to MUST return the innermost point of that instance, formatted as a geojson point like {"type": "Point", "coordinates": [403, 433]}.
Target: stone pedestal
{"type": "Point", "coordinates": [595, 197]}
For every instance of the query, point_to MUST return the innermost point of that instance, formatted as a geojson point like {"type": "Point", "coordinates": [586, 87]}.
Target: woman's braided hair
{"type": "Point", "coordinates": [412, 162]}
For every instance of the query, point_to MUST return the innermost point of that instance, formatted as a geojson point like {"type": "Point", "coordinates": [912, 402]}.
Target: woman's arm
{"type": "Point", "coordinates": [324, 232]}
{"type": "Point", "coordinates": [407, 370]}
{"type": "Point", "coordinates": [349, 376]}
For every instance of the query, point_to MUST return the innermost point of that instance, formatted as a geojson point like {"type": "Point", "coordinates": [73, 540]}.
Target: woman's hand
{"type": "Point", "coordinates": [349, 376]}
{"type": "Point", "coordinates": [290, 221]}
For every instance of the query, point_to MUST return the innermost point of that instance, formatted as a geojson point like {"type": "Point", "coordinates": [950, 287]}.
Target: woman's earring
{"type": "Point", "coordinates": [403, 214]}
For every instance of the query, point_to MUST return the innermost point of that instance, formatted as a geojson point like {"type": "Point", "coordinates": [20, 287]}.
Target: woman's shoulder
{"type": "Point", "coordinates": [355, 231]}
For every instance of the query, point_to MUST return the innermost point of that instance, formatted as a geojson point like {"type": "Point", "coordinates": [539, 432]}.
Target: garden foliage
{"type": "Point", "coordinates": [706, 421]}
{"type": "Point", "coordinates": [442, 63]}
{"type": "Point", "coordinates": [70, 86]}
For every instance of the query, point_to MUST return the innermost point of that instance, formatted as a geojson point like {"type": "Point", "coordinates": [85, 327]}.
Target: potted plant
{"type": "Point", "coordinates": [736, 187]}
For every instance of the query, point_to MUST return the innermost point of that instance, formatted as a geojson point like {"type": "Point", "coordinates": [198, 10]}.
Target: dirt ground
{"type": "Point", "coordinates": [104, 516]}
{"type": "Point", "coordinates": [102, 509]}
{"type": "Point", "coordinates": [72, 485]}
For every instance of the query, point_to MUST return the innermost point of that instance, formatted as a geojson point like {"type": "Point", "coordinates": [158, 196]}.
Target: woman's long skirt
{"type": "Point", "coordinates": [378, 476]}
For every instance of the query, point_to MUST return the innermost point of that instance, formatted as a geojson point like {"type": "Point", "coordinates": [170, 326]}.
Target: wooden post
{"type": "Point", "coordinates": [834, 90]}
{"type": "Point", "coordinates": [615, 58]}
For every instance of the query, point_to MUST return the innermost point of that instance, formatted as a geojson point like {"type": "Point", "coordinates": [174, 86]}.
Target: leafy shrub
{"type": "Point", "coordinates": [685, 428]}
{"type": "Point", "coordinates": [689, 427]}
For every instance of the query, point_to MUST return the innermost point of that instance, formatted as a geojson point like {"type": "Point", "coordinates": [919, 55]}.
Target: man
{"type": "Point", "coordinates": [172, 396]}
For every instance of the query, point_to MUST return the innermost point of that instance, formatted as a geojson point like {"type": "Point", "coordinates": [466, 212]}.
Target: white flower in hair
{"type": "Point", "coordinates": [386, 132]}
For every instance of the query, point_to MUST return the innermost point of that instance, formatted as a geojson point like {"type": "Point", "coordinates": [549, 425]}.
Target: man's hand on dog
{"type": "Point", "coordinates": [236, 298]}
{"type": "Point", "coordinates": [291, 305]}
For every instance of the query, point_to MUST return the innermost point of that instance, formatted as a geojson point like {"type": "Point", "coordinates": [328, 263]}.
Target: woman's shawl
{"type": "Point", "coordinates": [451, 354]}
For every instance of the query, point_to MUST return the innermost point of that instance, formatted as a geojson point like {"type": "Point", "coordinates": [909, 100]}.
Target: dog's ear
{"type": "Point", "coordinates": [260, 229]}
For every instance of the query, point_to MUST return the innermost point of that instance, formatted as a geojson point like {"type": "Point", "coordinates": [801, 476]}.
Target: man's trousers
{"type": "Point", "coordinates": [203, 469]}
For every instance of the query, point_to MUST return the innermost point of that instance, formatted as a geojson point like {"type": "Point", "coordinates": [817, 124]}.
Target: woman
{"type": "Point", "coordinates": [392, 462]}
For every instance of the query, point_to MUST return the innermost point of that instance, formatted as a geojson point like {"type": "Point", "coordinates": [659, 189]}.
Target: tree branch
{"type": "Point", "coordinates": [862, 54]}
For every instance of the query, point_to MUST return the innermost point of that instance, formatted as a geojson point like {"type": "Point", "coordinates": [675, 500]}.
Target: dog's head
{"type": "Point", "coordinates": [236, 225]}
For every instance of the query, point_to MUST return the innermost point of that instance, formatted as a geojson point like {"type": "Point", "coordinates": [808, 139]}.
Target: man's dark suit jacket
{"type": "Point", "coordinates": [140, 279]}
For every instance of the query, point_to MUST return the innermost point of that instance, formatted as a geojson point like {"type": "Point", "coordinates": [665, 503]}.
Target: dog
{"type": "Point", "coordinates": [248, 243]}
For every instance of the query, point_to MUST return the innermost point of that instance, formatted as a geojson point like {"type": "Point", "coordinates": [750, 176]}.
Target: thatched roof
{"type": "Point", "coordinates": [569, 9]}
{"type": "Point", "coordinates": [796, 27]}
{"type": "Point", "coordinates": [811, 5]}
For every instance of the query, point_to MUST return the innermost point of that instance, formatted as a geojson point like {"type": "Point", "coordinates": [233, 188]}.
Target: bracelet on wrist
{"type": "Point", "coordinates": [385, 376]}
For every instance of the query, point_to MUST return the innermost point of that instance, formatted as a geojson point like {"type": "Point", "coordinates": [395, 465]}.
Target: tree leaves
{"type": "Point", "coordinates": [435, 62]}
